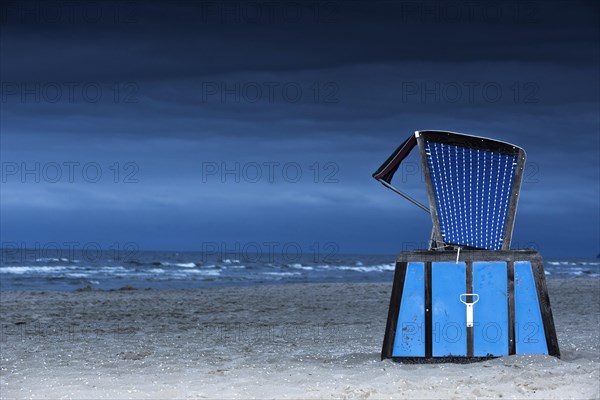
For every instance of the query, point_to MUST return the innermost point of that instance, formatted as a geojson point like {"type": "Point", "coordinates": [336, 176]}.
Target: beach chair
{"type": "Point", "coordinates": [469, 296]}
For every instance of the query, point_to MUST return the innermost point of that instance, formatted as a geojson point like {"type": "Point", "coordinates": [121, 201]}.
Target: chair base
{"type": "Point", "coordinates": [487, 304]}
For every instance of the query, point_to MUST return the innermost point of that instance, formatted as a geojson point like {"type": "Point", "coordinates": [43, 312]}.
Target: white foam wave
{"type": "Point", "coordinates": [181, 265]}
{"type": "Point", "coordinates": [22, 270]}
{"type": "Point", "coordinates": [569, 263]}
{"type": "Point", "coordinates": [209, 272]}
{"type": "Point", "coordinates": [370, 268]}
{"type": "Point", "coordinates": [300, 266]}
{"type": "Point", "coordinates": [76, 275]}
{"type": "Point", "coordinates": [112, 268]}
{"type": "Point", "coordinates": [282, 273]}
{"type": "Point", "coordinates": [572, 263]}
{"type": "Point", "coordinates": [186, 265]}
{"type": "Point", "coordinates": [53, 259]}
{"type": "Point", "coordinates": [157, 270]}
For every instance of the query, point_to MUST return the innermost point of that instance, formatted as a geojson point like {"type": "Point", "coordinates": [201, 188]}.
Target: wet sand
{"type": "Point", "coordinates": [288, 341]}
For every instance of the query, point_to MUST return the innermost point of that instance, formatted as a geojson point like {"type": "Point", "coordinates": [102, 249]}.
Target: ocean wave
{"type": "Point", "coordinates": [569, 263]}
{"type": "Point", "coordinates": [112, 268]}
{"type": "Point", "coordinates": [282, 274]}
{"type": "Point", "coordinates": [300, 266]}
{"type": "Point", "coordinates": [573, 263]}
{"type": "Point", "coordinates": [22, 270]}
{"type": "Point", "coordinates": [53, 259]}
{"type": "Point", "coordinates": [207, 272]}
{"type": "Point", "coordinates": [370, 268]}
{"type": "Point", "coordinates": [180, 264]}
{"type": "Point", "coordinates": [186, 265]}
{"type": "Point", "coordinates": [78, 275]}
{"type": "Point", "coordinates": [157, 271]}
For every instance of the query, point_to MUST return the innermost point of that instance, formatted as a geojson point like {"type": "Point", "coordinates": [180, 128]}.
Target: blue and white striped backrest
{"type": "Point", "coordinates": [473, 188]}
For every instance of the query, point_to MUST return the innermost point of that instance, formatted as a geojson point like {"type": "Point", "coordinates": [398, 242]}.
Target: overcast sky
{"type": "Point", "coordinates": [185, 123]}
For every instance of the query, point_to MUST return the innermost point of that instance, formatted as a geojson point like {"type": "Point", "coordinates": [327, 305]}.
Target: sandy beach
{"type": "Point", "coordinates": [286, 341]}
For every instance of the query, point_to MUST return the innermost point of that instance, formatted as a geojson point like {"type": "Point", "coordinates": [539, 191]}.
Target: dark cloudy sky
{"type": "Point", "coordinates": [173, 125]}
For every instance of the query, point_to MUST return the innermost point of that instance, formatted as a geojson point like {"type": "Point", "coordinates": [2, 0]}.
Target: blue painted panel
{"type": "Point", "coordinates": [410, 331]}
{"type": "Point", "coordinates": [449, 335]}
{"type": "Point", "coordinates": [529, 326]}
{"type": "Point", "coordinates": [490, 313]}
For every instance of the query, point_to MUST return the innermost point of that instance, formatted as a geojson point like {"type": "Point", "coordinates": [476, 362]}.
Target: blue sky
{"type": "Point", "coordinates": [179, 125]}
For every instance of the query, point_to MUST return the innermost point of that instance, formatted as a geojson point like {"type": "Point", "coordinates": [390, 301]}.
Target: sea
{"type": "Point", "coordinates": [84, 270]}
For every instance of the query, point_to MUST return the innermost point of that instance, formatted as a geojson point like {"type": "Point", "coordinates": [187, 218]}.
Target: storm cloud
{"type": "Point", "coordinates": [175, 124]}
